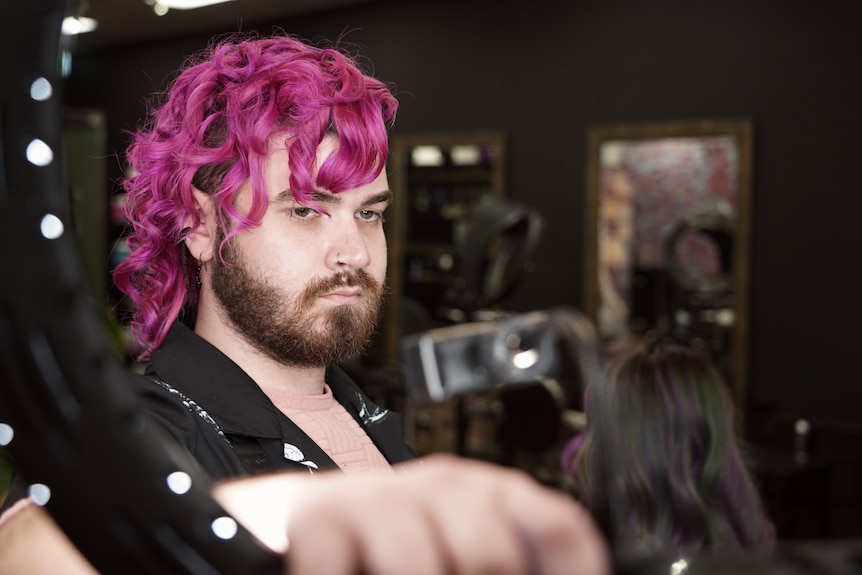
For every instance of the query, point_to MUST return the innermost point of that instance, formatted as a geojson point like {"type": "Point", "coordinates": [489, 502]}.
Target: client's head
{"type": "Point", "coordinates": [666, 439]}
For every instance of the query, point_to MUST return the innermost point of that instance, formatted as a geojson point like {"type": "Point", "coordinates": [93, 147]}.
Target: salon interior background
{"type": "Point", "coordinates": [545, 71]}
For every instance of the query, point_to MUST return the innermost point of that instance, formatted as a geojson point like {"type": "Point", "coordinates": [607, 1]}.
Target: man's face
{"type": "Point", "coordinates": [306, 288]}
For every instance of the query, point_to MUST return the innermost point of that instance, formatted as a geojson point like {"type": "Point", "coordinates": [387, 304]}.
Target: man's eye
{"type": "Point", "coordinates": [369, 215]}
{"type": "Point", "coordinates": [302, 212]}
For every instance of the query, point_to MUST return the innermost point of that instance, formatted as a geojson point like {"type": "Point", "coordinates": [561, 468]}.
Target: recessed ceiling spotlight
{"type": "Point", "coordinates": [73, 25]}
{"type": "Point", "coordinates": [161, 7]}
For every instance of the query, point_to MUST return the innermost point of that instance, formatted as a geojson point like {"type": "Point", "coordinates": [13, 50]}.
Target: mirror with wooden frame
{"type": "Point", "coordinates": [437, 179]}
{"type": "Point", "coordinates": [667, 221]}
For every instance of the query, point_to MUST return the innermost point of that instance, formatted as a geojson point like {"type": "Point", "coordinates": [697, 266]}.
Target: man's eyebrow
{"type": "Point", "coordinates": [378, 198]}
{"type": "Point", "coordinates": [320, 197]}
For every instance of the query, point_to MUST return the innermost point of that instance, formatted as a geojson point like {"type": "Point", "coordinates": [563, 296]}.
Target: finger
{"type": "Point", "coordinates": [549, 527]}
{"type": "Point", "coordinates": [321, 545]}
{"type": "Point", "coordinates": [261, 504]}
{"type": "Point", "coordinates": [409, 542]}
{"type": "Point", "coordinates": [476, 534]}
{"type": "Point", "coordinates": [558, 533]}
{"type": "Point", "coordinates": [384, 531]}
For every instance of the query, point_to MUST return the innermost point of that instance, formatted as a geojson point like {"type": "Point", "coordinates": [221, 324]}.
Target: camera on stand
{"type": "Point", "coordinates": [478, 357]}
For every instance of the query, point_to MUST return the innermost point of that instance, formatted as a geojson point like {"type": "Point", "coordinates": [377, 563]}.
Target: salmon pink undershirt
{"type": "Point", "coordinates": [326, 422]}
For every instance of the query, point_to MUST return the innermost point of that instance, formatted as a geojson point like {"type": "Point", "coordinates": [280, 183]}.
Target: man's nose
{"type": "Point", "coordinates": [348, 249]}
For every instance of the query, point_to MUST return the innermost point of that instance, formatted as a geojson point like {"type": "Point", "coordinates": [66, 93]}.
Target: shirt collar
{"type": "Point", "coordinates": [199, 370]}
{"type": "Point", "coordinates": [195, 367]}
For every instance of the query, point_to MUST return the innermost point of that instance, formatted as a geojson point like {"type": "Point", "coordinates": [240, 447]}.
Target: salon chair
{"type": "Point", "coordinates": [493, 258]}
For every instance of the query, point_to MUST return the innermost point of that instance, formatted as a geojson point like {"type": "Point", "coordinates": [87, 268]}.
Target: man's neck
{"type": "Point", "coordinates": [268, 373]}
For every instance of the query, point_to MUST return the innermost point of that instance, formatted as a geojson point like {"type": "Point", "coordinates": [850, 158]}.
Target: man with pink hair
{"type": "Point", "coordinates": [258, 257]}
{"type": "Point", "coordinates": [257, 264]}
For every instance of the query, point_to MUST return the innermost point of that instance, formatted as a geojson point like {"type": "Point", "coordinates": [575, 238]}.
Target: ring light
{"type": "Point", "coordinates": [115, 484]}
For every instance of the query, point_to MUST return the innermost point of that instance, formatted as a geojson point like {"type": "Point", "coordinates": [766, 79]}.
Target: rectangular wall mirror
{"type": "Point", "coordinates": [437, 179]}
{"type": "Point", "coordinates": [667, 221]}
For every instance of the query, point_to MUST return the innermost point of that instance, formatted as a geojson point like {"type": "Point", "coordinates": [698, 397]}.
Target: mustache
{"type": "Point", "coordinates": [359, 278]}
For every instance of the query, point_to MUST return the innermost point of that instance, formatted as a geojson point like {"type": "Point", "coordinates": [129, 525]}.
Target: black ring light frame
{"type": "Point", "coordinates": [66, 416]}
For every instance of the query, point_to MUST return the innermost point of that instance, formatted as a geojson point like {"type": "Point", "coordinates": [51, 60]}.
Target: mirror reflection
{"type": "Point", "coordinates": [667, 231]}
{"type": "Point", "coordinates": [438, 179]}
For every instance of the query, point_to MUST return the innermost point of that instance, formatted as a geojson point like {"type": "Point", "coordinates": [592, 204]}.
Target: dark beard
{"type": "Point", "coordinates": [285, 330]}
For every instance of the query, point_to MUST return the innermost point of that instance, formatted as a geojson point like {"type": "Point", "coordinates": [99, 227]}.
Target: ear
{"type": "Point", "coordinates": [201, 239]}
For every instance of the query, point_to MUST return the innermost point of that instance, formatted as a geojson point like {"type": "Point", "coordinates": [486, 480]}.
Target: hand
{"type": "Point", "coordinates": [444, 515]}
{"type": "Point", "coordinates": [32, 543]}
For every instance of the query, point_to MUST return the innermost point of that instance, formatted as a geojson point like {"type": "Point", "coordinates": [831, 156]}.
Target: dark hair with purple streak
{"type": "Point", "coordinates": [212, 130]}
{"type": "Point", "coordinates": [682, 481]}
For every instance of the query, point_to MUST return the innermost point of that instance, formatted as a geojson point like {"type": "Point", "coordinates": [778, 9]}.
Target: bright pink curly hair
{"type": "Point", "coordinates": [212, 132]}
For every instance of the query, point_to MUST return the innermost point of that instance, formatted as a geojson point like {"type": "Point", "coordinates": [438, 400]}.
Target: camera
{"type": "Point", "coordinates": [472, 358]}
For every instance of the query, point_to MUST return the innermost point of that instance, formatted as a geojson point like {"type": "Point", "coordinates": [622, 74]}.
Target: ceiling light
{"type": "Point", "coordinates": [78, 25]}
{"type": "Point", "coordinates": [187, 4]}
{"type": "Point", "coordinates": [466, 155]}
{"type": "Point", "coordinates": [427, 156]}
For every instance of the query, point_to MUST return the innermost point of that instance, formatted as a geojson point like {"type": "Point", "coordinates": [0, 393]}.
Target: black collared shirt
{"type": "Point", "coordinates": [205, 401]}
{"type": "Point", "coordinates": [212, 407]}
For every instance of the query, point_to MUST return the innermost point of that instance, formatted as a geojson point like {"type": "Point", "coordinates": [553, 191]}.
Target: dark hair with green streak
{"type": "Point", "coordinates": [674, 462]}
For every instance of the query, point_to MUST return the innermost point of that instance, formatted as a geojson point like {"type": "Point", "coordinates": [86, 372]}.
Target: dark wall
{"type": "Point", "coordinates": [547, 71]}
